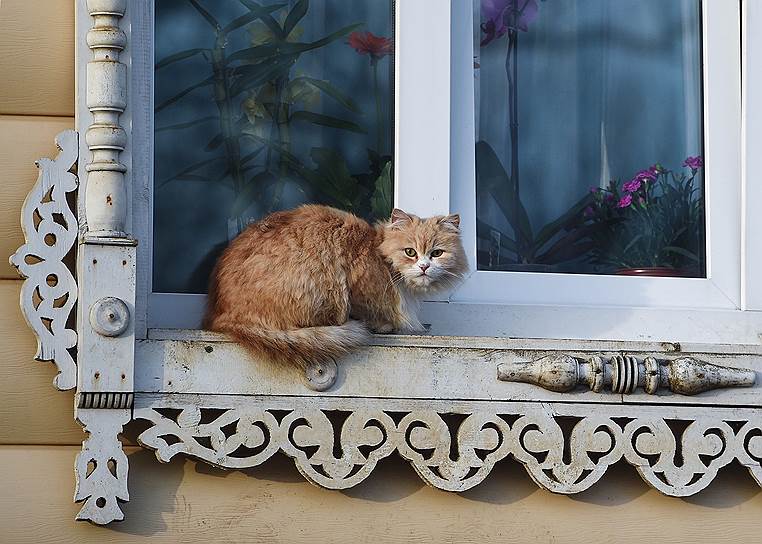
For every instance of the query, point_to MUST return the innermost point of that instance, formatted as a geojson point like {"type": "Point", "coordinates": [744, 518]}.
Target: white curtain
{"type": "Point", "coordinates": [606, 88]}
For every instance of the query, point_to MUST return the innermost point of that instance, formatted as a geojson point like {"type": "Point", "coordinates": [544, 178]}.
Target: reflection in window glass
{"type": "Point", "coordinates": [260, 108]}
{"type": "Point", "coordinates": [589, 136]}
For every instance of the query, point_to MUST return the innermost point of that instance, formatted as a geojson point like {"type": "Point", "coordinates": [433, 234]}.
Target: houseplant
{"type": "Point", "coordinates": [651, 225]}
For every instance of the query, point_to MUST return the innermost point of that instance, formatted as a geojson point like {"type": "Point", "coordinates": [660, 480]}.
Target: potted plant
{"type": "Point", "coordinates": [651, 225]}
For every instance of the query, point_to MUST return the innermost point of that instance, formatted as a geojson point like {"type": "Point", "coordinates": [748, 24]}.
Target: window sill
{"type": "Point", "coordinates": [438, 403]}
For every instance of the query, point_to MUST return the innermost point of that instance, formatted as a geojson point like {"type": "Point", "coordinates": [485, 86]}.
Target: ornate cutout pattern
{"type": "Point", "coordinates": [564, 448]}
{"type": "Point", "coordinates": [101, 466]}
{"type": "Point", "coordinates": [50, 230]}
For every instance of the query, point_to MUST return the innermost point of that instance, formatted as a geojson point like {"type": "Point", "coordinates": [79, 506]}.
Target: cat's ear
{"type": "Point", "coordinates": [451, 222]}
{"type": "Point", "coordinates": [400, 219]}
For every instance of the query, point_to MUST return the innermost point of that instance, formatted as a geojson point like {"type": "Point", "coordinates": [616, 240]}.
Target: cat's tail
{"type": "Point", "coordinates": [298, 346]}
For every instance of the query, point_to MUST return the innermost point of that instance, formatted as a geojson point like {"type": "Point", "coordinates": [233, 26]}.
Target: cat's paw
{"type": "Point", "coordinates": [419, 330]}
{"type": "Point", "coordinates": [386, 328]}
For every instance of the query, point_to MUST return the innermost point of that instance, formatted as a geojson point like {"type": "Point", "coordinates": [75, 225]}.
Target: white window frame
{"type": "Point", "coordinates": [551, 305]}
{"type": "Point", "coordinates": [721, 289]}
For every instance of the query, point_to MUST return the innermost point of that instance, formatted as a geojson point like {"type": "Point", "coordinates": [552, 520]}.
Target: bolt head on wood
{"type": "Point", "coordinates": [110, 316]}
{"type": "Point", "coordinates": [321, 376]}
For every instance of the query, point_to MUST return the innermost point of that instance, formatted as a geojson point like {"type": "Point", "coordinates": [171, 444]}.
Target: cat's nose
{"type": "Point", "coordinates": [424, 266]}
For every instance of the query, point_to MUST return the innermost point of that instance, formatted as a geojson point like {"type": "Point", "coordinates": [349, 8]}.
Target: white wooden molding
{"type": "Point", "coordinates": [565, 448]}
{"type": "Point", "coordinates": [439, 403]}
{"type": "Point", "coordinates": [106, 192]}
{"type": "Point", "coordinates": [101, 466]}
{"type": "Point", "coordinates": [49, 292]}
{"type": "Point", "coordinates": [106, 259]}
{"type": "Point", "coordinates": [623, 373]}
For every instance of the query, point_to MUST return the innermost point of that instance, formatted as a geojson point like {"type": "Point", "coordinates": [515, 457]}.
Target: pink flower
{"type": "Point", "coordinates": [625, 201]}
{"type": "Point", "coordinates": [369, 44]}
{"type": "Point", "coordinates": [502, 15]}
{"type": "Point", "coordinates": [632, 185]}
{"type": "Point", "coordinates": [648, 174]}
{"type": "Point", "coordinates": [589, 211]}
{"type": "Point", "coordinates": [694, 163]}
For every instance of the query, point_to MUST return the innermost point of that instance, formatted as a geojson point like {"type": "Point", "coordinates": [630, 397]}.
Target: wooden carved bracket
{"type": "Point", "coordinates": [101, 466]}
{"type": "Point", "coordinates": [50, 228]}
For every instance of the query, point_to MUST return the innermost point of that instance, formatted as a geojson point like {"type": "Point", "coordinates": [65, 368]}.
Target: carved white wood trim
{"type": "Point", "coordinates": [436, 402]}
{"type": "Point", "coordinates": [49, 292]}
{"type": "Point", "coordinates": [101, 466]}
{"type": "Point", "coordinates": [106, 192]}
{"type": "Point", "coordinates": [565, 448]}
{"type": "Point", "coordinates": [623, 373]}
{"type": "Point", "coordinates": [106, 258]}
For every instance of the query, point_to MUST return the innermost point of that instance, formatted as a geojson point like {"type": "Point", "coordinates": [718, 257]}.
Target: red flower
{"type": "Point", "coordinates": [370, 44]}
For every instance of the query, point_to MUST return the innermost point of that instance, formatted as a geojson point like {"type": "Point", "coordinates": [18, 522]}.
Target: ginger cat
{"type": "Point", "coordinates": [307, 285]}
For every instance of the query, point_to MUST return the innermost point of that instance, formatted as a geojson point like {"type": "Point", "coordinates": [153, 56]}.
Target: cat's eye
{"type": "Point", "coordinates": [437, 253]}
{"type": "Point", "coordinates": [410, 252]}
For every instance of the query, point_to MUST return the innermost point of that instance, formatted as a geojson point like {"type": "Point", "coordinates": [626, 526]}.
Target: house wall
{"type": "Point", "coordinates": [186, 501]}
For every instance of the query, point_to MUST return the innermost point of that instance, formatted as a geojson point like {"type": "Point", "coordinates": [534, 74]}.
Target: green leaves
{"type": "Point", "coordinates": [250, 76]}
{"type": "Point", "coordinates": [381, 199]}
{"type": "Point", "coordinates": [257, 80]}
{"type": "Point", "coordinates": [180, 55]}
{"type": "Point", "coordinates": [180, 126]}
{"type": "Point", "coordinates": [331, 91]}
{"type": "Point", "coordinates": [253, 189]}
{"type": "Point", "coordinates": [268, 20]}
{"type": "Point", "coordinates": [332, 176]}
{"type": "Point", "coordinates": [294, 16]}
{"type": "Point", "coordinates": [571, 218]}
{"type": "Point", "coordinates": [564, 239]}
{"type": "Point", "coordinates": [182, 93]}
{"type": "Point", "coordinates": [280, 49]}
{"type": "Point", "coordinates": [492, 178]}
{"type": "Point", "coordinates": [326, 121]}
{"type": "Point", "coordinates": [255, 12]}
{"type": "Point", "coordinates": [188, 173]}
{"type": "Point", "coordinates": [205, 14]}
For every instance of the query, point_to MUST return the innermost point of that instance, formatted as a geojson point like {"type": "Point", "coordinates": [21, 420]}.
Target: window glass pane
{"type": "Point", "coordinates": [260, 108]}
{"type": "Point", "coordinates": [589, 136]}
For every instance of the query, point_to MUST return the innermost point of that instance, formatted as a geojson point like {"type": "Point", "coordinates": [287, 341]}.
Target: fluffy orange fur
{"type": "Point", "coordinates": [307, 285]}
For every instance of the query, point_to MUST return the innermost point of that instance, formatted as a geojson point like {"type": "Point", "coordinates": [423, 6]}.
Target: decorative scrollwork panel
{"type": "Point", "coordinates": [101, 466]}
{"type": "Point", "coordinates": [564, 448]}
{"type": "Point", "coordinates": [50, 230]}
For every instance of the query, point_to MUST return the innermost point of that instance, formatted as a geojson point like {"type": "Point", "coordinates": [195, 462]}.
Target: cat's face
{"type": "Point", "coordinates": [426, 252]}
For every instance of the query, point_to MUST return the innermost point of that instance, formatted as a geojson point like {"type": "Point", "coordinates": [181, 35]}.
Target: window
{"type": "Point", "coordinates": [259, 109]}
{"type": "Point", "coordinates": [579, 298]}
{"type": "Point", "coordinates": [451, 135]}
{"type": "Point", "coordinates": [589, 137]}
{"type": "Point", "coordinates": [344, 70]}
{"type": "Point", "coordinates": [580, 74]}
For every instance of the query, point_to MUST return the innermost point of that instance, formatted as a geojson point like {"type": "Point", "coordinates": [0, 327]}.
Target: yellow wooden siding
{"type": "Point", "coordinates": [188, 502]}
{"type": "Point", "coordinates": [23, 139]}
{"type": "Point", "coordinates": [31, 411]}
{"type": "Point", "coordinates": [37, 57]}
